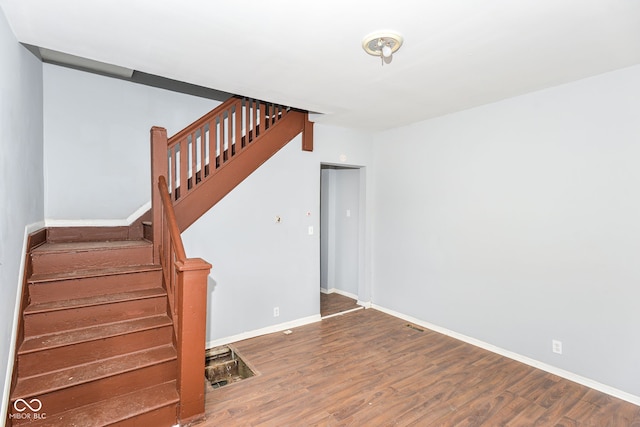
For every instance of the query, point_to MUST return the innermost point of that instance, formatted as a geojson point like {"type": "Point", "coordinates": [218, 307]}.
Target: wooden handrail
{"type": "Point", "coordinates": [172, 224]}
{"type": "Point", "coordinates": [186, 281]}
{"type": "Point", "coordinates": [198, 123]}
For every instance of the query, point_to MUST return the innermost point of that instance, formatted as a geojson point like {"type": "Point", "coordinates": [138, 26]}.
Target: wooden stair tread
{"type": "Point", "coordinates": [94, 272]}
{"type": "Point", "coordinates": [92, 333]}
{"type": "Point", "coordinates": [115, 409]}
{"type": "Point", "coordinates": [89, 246]}
{"type": "Point", "coordinates": [47, 382]}
{"type": "Point", "coordinates": [95, 300]}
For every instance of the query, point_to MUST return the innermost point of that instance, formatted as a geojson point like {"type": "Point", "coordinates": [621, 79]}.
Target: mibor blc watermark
{"type": "Point", "coordinates": [27, 410]}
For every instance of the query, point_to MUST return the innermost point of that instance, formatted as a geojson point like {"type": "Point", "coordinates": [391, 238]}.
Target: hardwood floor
{"type": "Point", "coordinates": [367, 368]}
{"type": "Point", "coordinates": [334, 303]}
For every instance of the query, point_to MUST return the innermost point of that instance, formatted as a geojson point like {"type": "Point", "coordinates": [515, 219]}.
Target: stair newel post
{"type": "Point", "coordinates": [192, 308]}
{"type": "Point", "coordinates": [307, 134]}
{"type": "Point", "coordinates": [159, 167]}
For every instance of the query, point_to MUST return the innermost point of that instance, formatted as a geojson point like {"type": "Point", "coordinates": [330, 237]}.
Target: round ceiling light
{"type": "Point", "coordinates": [383, 44]}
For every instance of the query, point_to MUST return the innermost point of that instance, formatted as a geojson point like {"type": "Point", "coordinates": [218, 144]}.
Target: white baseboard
{"type": "Point", "coordinates": [339, 292]}
{"type": "Point", "coordinates": [264, 331]}
{"type": "Point", "coordinates": [28, 229]}
{"type": "Point", "coordinates": [99, 222]}
{"type": "Point", "coordinates": [517, 357]}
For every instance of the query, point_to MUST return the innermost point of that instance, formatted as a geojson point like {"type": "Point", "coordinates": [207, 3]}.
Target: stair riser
{"type": "Point", "coordinates": [61, 261]}
{"type": "Point", "coordinates": [84, 394]}
{"type": "Point", "coordinates": [86, 234]}
{"type": "Point", "coordinates": [65, 320]}
{"type": "Point", "coordinates": [61, 290]}
{"type": "Point", "coordinates": [165, 416]}
{"type": "Point", "coordinates": [42, 361]}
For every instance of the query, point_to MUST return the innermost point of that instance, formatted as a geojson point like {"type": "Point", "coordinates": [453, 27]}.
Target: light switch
{"type": "Point", "coordinates": [311, 230]}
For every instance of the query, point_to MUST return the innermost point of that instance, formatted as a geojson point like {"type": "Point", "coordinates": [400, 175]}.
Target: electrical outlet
{"type": "Point", "coordinates": [556, 346]}
{"type": "Point", "coordinates": [276, 311]}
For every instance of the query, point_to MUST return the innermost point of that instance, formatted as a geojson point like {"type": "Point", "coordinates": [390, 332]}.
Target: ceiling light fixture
{"type": "Point", "coordinates": [383, 44]}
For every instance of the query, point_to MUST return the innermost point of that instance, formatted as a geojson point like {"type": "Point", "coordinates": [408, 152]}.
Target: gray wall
{"type": "Point", "coordinates": [97, 141]}
{"type": "Point", "coordinates": [21, 183]}
{"type": "Point", "coordinates": [517, 223]}
{"type": "Point", "coordinates": [259, 264]}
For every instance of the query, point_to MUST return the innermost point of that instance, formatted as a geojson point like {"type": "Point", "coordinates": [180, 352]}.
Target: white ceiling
{"type": "Point", "coordinates": [456, 54]}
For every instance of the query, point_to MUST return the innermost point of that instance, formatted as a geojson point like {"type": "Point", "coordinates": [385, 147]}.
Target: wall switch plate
{"type": "Point", "coordinates": [311, 230]}
{"type": "Point", "coordinates": [556, 346]}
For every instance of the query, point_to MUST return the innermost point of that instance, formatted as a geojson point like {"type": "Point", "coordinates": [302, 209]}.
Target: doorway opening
{"type": "Point", "coordinates": [341, 239]}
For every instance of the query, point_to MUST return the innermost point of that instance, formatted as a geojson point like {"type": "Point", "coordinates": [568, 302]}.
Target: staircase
{"type": "Point", "coordinates": [113, 320]}
{"type": "Point", "coordinates": [98, 342]}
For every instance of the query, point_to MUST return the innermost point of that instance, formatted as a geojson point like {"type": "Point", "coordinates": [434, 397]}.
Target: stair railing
{"type": "Point", "coordinates": [180, 165]}
{"type": "Point", "coordinates": [205, 157]}
{"type": "Point", "coordinates": [207, 145]}
{"type": "Point", "coordinates": [186, 283]}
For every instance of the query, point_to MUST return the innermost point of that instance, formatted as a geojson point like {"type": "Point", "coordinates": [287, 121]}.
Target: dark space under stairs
{"type": "Point", "coordinates": [98, 344]}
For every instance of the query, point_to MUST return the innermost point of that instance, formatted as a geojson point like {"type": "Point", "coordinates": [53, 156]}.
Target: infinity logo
{"type": "Point", "coordinates": [21, 405]}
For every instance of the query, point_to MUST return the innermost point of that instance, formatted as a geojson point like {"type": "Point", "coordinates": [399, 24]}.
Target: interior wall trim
{"type": "Point", "coordinates": [517, 357]}
{"type": "Point", "coordinates": [264, 331]}
{"type": "Point", "coordinates": [125, 222]}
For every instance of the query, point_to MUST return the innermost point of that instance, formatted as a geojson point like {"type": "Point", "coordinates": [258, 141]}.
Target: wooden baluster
{"type": "Point", "coordinates": [223, 152]}
{"type": "Point", "coordinates": [246, 111]}
{"type": "Point", "coordinates": [238, 121]}
{"type": "Point", "coordinates": [174, 172]}
{"type": "Point", "coordinates": [254, 128]}
{"type": "Point", "coordinates": [229, 129]}
{"type": "Point", "coordinates": [263, 117]}
{"type": "Point", "coordinates": [167, 265]}
{"type": "Point", "coordinates": [213, 145]}
{"type": "Point", "coordinates": [194, 159]}
{"type": "Point", "coordinates": [184, 167]}
{"type": "Point", "coordinates": [203, 152]}
{"type": "Point", "coordinates": [248, 131]}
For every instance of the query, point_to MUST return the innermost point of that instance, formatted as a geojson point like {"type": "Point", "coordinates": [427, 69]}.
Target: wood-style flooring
{"type": "Point", "coordinates": [367, 368]}
{"type": "Point", "coordinates": [334, 303]}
